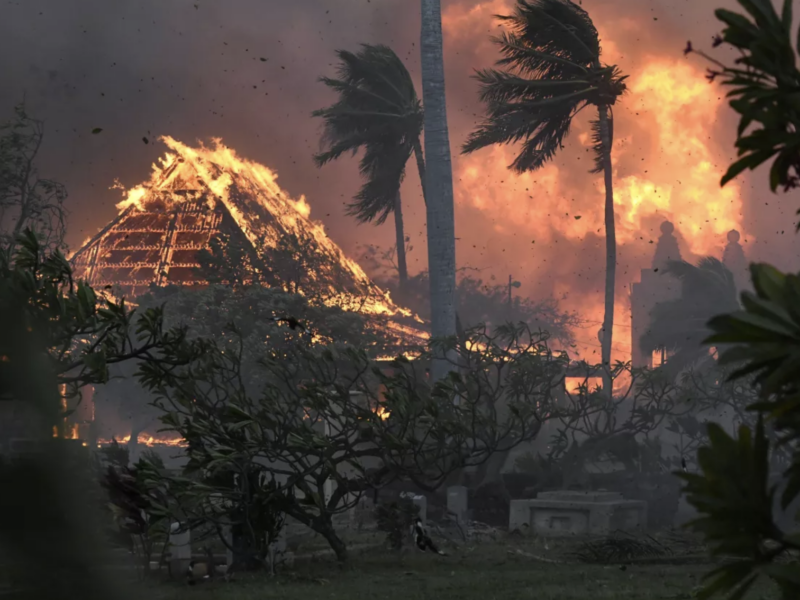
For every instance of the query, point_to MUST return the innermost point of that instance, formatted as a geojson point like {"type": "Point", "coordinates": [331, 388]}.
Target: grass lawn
{"type": "Point", "coordinates": [485, 571]}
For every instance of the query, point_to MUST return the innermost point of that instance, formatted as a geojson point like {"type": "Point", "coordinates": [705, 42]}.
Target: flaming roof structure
{"type": "Point", "coordinates": [196, 194]}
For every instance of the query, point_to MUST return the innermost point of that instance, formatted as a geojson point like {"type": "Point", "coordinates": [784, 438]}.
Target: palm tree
{"type": "Point", "coordinates": [551, 70]}
{"type": "Point", "coordinates": [378, 111]}
{"type": "Point", "coordinates": [439, 184]}
{"type": "Point", "coordinates": [680, 326]}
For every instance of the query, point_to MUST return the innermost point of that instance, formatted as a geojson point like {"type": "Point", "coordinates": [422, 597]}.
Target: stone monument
{"type": "Point", "coordinates": [563, 513]}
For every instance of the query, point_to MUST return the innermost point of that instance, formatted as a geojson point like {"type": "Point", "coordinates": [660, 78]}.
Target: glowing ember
{"type": "Point", "coordinates": [145, 440]}
{"type": "Point", "coordinates": [67, 431]}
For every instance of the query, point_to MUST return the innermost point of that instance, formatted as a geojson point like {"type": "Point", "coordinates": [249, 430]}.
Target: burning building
{"type": "Point", "coordinates": [198, 194]}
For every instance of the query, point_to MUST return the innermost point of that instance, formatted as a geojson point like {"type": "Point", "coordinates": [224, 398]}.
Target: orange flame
{"type": "Point", "coordinates": [664, 169]}
{"type": "Point", "coordinates": [144, 439]}
{"type": "Point", "coordinates": [218, 168]}
{"type": "Point", "coordinates": [67, 431]}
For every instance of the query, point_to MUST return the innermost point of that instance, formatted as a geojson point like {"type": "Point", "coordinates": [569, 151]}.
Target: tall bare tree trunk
{"type": "Point", "coordinates": [611, 250]}
{"type": "Point", "coordinates": [402, 268]}
{"type": "Point", "coordinates": [438, 185]}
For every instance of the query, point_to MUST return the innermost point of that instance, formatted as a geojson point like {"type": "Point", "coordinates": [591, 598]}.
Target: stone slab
{"type": "Point", "coordinates": [578, 496]}
{"type": "Point", "coordinates": [575, 515]}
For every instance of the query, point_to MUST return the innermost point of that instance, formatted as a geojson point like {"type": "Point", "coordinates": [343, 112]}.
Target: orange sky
{"type": "Point", "coordinates": [546, 227]}
{"type": "Point", "coordinates": [195, 72]}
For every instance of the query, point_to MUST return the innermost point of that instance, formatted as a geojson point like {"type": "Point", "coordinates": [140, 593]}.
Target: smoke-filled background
{"type": "Point", "coordinates": [194, 69]}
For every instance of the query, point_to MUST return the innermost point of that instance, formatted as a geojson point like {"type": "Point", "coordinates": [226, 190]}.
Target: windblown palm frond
{"type": "Point", "coordinates": [551, 71]}
{"type": "Point", "coordinates": [378, 111]}
{"type": "Point", "coordinates": [681, 325]}
{"type": "Point", "coordinates": [542, 131]}
{"type": "Point", "coordinates": [554, 39]}
{"type": "Point", "coordinates": [383, 169]}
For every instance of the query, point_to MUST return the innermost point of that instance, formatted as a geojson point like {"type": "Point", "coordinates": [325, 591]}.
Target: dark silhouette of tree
{"type": "Point", "coordinates": [26, 200]}
{"type": "Point", "coordinates": [679, 326]}
{"type": "Point", "coordinates": [378, 111]}
{"type": "Point", "coordinates": [550, 71]}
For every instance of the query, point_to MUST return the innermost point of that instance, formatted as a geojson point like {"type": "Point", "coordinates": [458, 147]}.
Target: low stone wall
{"type": "Point", "coordinates": [576, 513]}
{"type": "Point", "coordinates": [661, 492]}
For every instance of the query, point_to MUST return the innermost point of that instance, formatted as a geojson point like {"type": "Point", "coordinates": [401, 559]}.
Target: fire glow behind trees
{"type": "Point", "coordinates": [674, 133]}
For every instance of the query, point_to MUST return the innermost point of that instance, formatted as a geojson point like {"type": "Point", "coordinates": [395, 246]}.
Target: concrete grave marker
{"type": "Point", "coordinates": [576, 513]}
{"type": "Point", "coordinates": [457, 502]}
{"type": "Point", "coordinates": [180, 543]}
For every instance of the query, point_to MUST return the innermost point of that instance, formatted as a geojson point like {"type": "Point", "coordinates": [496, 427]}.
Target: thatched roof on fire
{"type": "Point", "coordinates": [197, 194]}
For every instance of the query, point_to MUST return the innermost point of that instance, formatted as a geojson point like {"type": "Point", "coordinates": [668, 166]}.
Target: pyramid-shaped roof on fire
{"type": "Point", "coordinates": [196, 194]}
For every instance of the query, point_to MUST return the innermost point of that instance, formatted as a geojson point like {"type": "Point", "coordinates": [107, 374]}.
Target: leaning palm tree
{"type": "Point", "coordinates": [378, 111]}
{"type": "Point", "coordinates": [439, 184]}
{"type": "Point", "coordinates": [550, 71]}
{"type": "Point", "coordinates": [680, 326]}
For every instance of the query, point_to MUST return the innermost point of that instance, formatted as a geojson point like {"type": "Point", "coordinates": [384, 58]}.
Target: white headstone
{"type": "Point", "coordinates": [457, 502]}
{"type": "Point", "coordinates": [180, 543]}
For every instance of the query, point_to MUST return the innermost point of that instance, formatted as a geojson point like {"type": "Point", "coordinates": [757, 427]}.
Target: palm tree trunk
{"type": "Point", "coordinates": [438, 186]}
{"type": "Point", "coordinates": [611, 251]}
{"type": "Point", "coordinates": [402, 268]}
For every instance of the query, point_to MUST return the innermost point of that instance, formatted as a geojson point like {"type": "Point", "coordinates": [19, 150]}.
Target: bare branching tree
{"type": "Point", "coordinates": [27, 200]}
{"type": "Point", "coordinates": [329, 425]}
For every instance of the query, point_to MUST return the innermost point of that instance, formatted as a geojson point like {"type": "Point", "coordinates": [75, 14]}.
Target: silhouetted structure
{"type": "Point", "coordinates": [653, 287]}
{"type": "Point", "coordinates": [734, 258]}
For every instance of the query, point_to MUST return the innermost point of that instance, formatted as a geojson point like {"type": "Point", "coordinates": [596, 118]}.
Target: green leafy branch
{"type": "Point", "coordinates": [766, 89]}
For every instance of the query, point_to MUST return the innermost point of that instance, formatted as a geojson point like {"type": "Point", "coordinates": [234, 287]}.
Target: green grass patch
{"type": "Point", "coordinates": [487, 571]}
